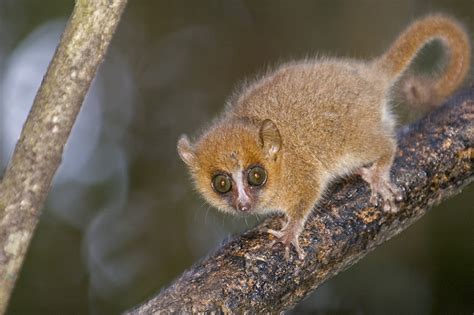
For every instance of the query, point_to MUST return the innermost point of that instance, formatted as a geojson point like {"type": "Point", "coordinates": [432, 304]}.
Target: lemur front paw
{"type": "Point", "coordinates": [288, 236]}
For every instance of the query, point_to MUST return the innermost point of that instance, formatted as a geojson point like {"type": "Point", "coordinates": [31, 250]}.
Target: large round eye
{"type": "Point", "coordinates": [257, 176]}
{"type": "Point", "coordinates": [221, 183]}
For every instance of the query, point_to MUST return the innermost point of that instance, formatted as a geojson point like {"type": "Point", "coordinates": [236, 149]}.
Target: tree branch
{"type": "Point", "coordinates": [38, 153]}
{"type": "Point", "coordinates": [434, 162]}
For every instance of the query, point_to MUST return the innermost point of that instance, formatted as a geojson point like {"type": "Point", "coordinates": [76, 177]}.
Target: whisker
{"type": "Point", "coordinates": [205, 216]}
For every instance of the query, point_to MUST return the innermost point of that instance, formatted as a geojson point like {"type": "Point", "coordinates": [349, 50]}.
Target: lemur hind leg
{"type": "Point", "coordinates": [378, 177]}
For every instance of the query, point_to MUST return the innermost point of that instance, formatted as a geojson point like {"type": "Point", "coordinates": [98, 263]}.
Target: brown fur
{"type": "Point", "coordinates": [312, 121]}
{"type": "Point", "coordinates": [422, 90]}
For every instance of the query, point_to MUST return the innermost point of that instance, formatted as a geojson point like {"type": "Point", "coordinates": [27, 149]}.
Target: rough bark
{"type": "Point", "coordinates": [37, 155]}
{"type": "Point", "coordinates": [434, 162]}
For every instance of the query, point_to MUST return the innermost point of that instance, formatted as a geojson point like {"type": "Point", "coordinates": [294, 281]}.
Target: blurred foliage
{"type": "Point", "coordinates": [121, 238]}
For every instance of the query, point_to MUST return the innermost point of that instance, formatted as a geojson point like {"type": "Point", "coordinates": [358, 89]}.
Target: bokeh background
{"type": "Point", "coordinates": [122, 219]}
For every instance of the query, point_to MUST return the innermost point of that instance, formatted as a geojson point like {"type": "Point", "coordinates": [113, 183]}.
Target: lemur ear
{"type": "Point", "coordinates": [185, 151]}
{"type": "Point", "coordinates": [270, 138]}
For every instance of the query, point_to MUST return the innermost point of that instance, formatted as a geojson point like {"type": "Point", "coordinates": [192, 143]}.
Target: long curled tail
{"type": "Point", "coordinates": [423, 90]}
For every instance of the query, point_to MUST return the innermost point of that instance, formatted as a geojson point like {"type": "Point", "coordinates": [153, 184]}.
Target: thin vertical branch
{"type": "Point", "coordinates": [38, 153]}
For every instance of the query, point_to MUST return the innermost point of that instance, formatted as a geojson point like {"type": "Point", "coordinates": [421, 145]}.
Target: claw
{"type": "Point", "coordinates": [277, 234]}
{"type": "Point", "coordinates": [397, 194]}
{"type": "Point", "coordinates": [299, 250]}
{"type": "Point", "coordinates": [373, 198]}
{"type": "Point", "coordinates": [287, 253]}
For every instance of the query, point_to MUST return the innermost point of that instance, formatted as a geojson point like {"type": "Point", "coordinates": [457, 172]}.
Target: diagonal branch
{"type": "Point", "coordinates": [37, 155]}
{"type": "Point", "coordinates": [434, 162]}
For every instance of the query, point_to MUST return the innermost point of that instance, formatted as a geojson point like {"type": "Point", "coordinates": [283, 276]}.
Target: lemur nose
{"type": "Point", "coordinates": [244, 207]}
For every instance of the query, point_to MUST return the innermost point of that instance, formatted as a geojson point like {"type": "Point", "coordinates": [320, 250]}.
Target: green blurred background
{"type": "Point", "coordinates": [122, 220]}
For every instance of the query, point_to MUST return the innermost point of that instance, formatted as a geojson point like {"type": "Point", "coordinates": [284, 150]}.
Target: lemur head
{"type": "Point", "coordinates": [236, 166]}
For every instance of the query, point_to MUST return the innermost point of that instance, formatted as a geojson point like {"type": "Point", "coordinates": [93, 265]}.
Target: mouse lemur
{"type": "Point", "coordinates": [283, 138]}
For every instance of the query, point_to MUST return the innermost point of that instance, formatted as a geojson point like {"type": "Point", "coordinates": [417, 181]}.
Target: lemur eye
{"type": "Point", "coordinates": [221, 183]}
{"type": "Point", "coordinates": [257, 176]}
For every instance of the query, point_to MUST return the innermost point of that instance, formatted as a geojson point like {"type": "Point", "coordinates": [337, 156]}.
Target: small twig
{"type": "Point", "coordinates": [434, 162]}
{"type": "Point", "coordinates": [38, 153]}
